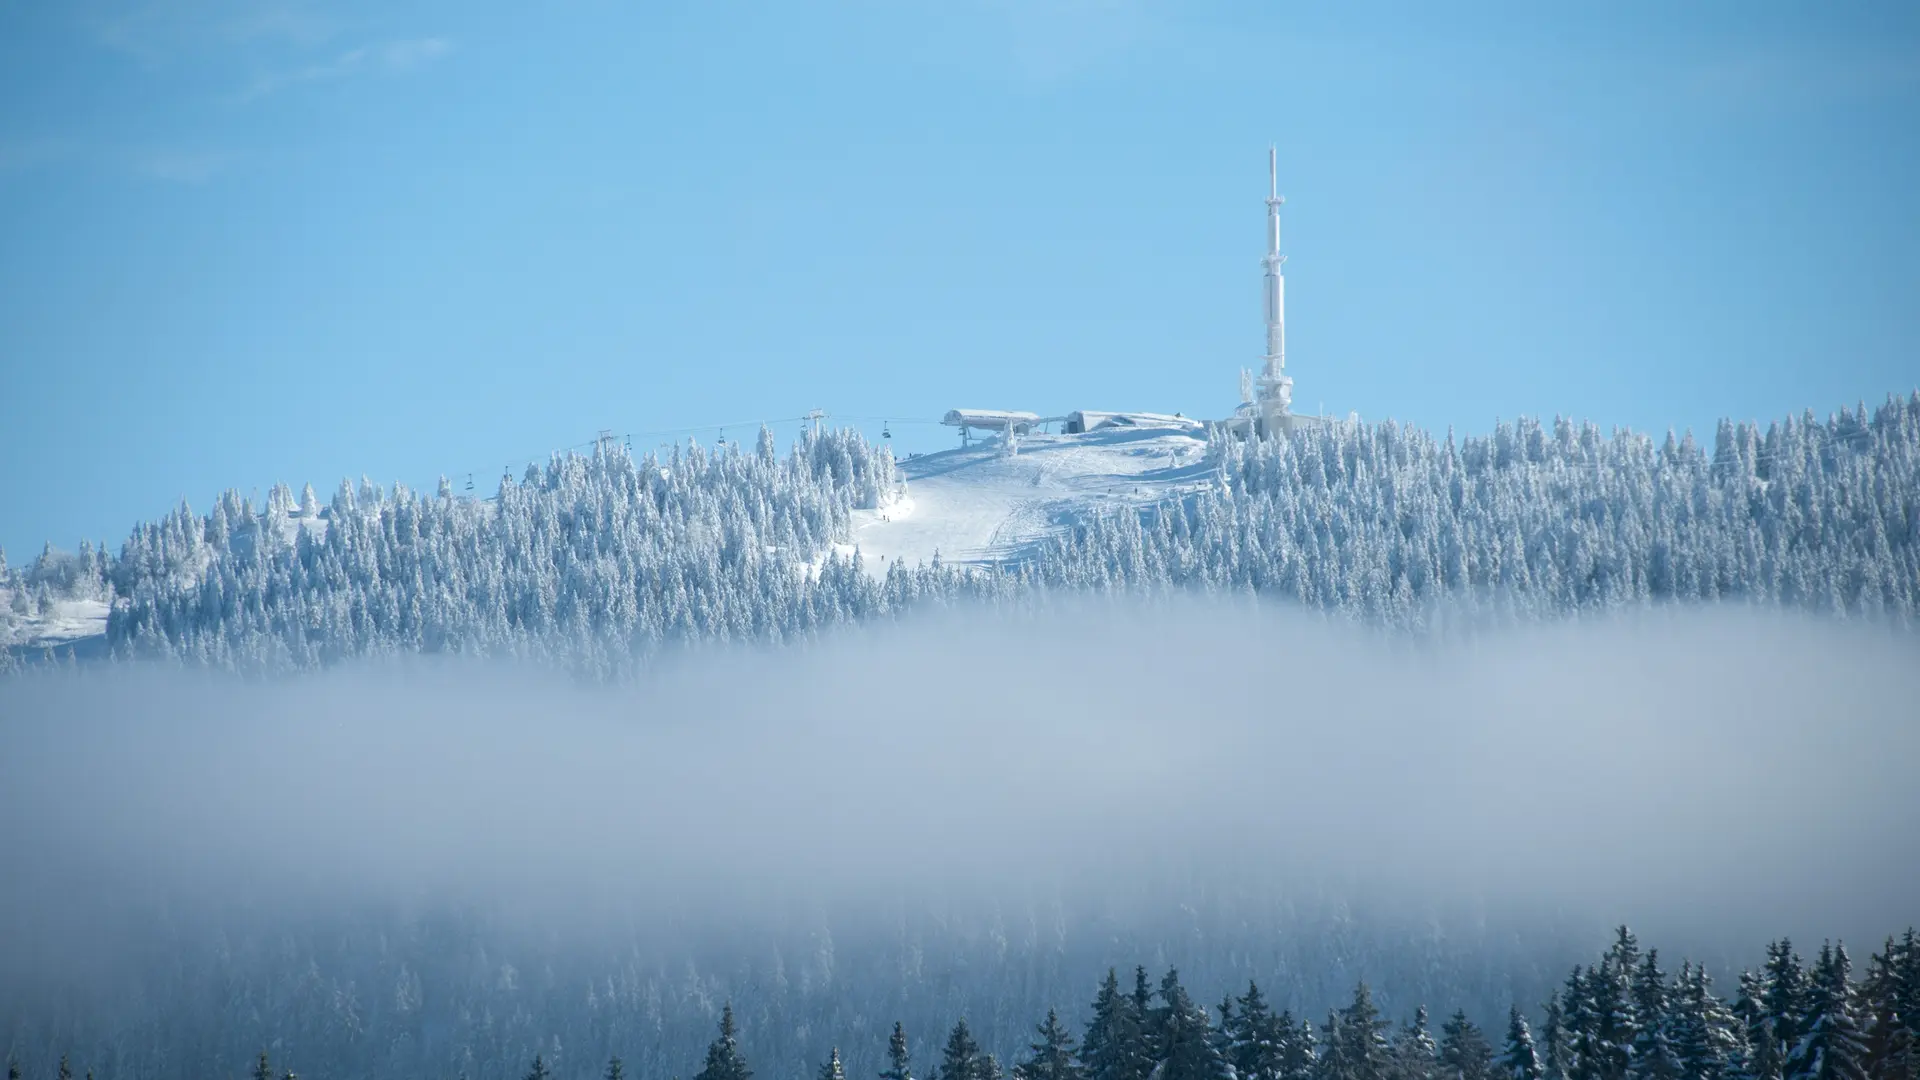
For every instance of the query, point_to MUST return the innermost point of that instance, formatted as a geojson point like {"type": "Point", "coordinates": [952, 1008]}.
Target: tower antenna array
{"type": "Point", "coordinates": [1274, 388]}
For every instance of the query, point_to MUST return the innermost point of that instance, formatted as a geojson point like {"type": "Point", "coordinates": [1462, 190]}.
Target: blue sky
{"type": "Point", "coordinates": [243, 242]}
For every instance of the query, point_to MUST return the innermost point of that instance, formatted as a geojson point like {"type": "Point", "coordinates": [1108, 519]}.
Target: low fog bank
{"type": "Point", "coordinates": [1722, 776]}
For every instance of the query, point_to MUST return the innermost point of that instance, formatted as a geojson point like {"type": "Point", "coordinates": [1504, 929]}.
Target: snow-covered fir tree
{"type": "Point", "coordinates": [1654, 1057]}
{"type": "Point", "coordinates": [1053, 1057]}
{"type": "Point", "coordinates": [1257, 1037]}
{"type": "Point", "coordinates": [1556, 1051]}
{"type": "Point", "coordinates": [724, 1061]}
{"type": "Point", "coordinates": [963, 1059]}
{"type": "Point", "coordinates": [1356, 1041]}
{"type": "Point", "coordinates": [1185, 1038]}
{"type": "Point", "coordinates": [1893, 976]}
{"type": "Point", "coordinates": [1519, 1060]}
{"type": "Point", "coordinates": [1464, 1051]}
{"type": "Point", "coordinates": [1708, 1039]}
{"type": "Point", "coordinates": [1415, 1055]}
{"type": "Point", "coordinates": [1831, 1044]}
{"type": "Point", "coordinates": [1786, 996]}
{"type": "Point", "coordinates": [899, 1065]}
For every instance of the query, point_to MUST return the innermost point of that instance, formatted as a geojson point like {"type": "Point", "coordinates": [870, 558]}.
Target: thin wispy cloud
{"type": "Point", "coordinates": [292, 23]}
{"type": "Point", "coordinates": [1030, 41]}
{"type": "Point", "coordinates": [1828, 73]}
{"type": "Point", "coordinates": [1059, 39]}
{"type": "Point", "coordinates": [22, 155]}
{"type": "Point", "coordinates": [170, 165]}
{"type": "Point", "coordinates": [278, 43]}
{"type": "Point", "coordinates": [182, 167]}
{"type": "Point", "coordinates": [157, 31]}
{"type": "Point", "coordinates": [382, 58]}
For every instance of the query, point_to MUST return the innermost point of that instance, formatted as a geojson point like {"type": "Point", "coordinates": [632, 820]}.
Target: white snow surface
{"type": "Point", "coordinates": [977, 505]}
{"type": "Point", "coordinates": [68, 621]}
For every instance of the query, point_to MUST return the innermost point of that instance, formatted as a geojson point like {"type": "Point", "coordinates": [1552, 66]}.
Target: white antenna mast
{"type": "Point", "coordinates": [1275, 387]}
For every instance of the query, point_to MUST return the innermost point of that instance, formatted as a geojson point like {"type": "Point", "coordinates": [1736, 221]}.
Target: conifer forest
{"type": "Point", "coordinates": [1621, 1017]}
{"type": "Point", "coordinates": [597, 562]}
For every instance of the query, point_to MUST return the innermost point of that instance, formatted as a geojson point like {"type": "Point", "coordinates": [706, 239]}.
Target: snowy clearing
{"type": "Point", "coordinates": [68, 621]}
{"type": "Point", "coordinates": [978, 505]}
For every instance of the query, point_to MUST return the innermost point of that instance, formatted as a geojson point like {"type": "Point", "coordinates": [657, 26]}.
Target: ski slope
{"type": "Point", "coordinates": [978, 505]}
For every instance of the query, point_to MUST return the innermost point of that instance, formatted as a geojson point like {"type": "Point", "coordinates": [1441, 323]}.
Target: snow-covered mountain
{"type": "Point", "coordinates": [972, 506]}
{"type": "Point", "coordinates": [597, 561]}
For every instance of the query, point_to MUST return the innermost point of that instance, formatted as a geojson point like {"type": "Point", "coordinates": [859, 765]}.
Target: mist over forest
{"type": "Point", "coordinates": [444, 866]}
{"type": "Point", "coordinates": [906, 653]}
{"type": "Point", "coordinates": [430, 785]}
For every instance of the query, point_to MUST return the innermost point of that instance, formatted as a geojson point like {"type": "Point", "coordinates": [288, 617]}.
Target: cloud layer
{"type": "Point", "coordinates": [1731, 771]}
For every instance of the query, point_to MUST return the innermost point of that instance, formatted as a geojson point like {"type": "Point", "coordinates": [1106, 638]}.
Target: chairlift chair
{"type": "Point", "coordinates": [886, 429]}
{"type": "Point", "coordinates": [469, 481]}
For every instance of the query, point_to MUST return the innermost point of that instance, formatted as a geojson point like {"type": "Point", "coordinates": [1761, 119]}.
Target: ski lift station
{"type": "Point", "coordinates": [971, 420]}
{"type": "Point", "coordinates": [1077, 422]}
{"type": "Point", "coordinates": [1081, 421]}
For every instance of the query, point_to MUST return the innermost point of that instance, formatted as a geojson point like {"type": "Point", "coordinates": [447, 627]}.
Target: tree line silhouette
{"type": "Point", "coordinates": [1621, 1018]}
